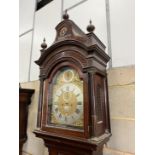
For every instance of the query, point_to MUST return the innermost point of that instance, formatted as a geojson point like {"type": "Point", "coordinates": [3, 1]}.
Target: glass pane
{"type": "Point", "coordinates": [66, 102]}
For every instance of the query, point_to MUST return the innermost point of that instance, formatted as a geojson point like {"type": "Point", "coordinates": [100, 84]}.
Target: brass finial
{"type": "Point", "coordinates": [44, 45]}
{"type": "Point", "coordinates": [65, 15]}
{"type": "Point", "coordinates": [90, 27]}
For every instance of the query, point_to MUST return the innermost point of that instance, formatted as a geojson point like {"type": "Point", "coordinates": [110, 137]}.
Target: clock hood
{"type": "Point", "coordinates": [68, 33]}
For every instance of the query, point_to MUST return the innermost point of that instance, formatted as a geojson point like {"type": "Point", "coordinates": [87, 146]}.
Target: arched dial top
{"type": "Point", "coordinates": [66, 98]}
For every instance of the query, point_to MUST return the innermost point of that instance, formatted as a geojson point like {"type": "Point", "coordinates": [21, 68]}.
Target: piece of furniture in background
{"type": "Point", "coordinates": [24, 101]}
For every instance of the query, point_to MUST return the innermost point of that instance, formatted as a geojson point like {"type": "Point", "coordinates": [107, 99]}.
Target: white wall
{"type": "Point", "coordinates": [122, 28]}
{"type": "Point", "coordinates": [94, 10]}
{"type": "Point", "coordinates": [45, 21]}
{"type": "Point", "coordinates": [122, 32]}
{"type": "Point", "coordinates": [26, 12]}
{"type": "Point", "coordinates": [26, 15]}
{"type": "Point", "coordinates": [24, 56]}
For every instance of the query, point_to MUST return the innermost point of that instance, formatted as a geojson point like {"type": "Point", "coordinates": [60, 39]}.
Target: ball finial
{"type": "Point", "coordinates": [90, 27]}
{"type": "Point", "coordinates": [44, 45]}
{"type": "Point", "coordinates": [65, 15]}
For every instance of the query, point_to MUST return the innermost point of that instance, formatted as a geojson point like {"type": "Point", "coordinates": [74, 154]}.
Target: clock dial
{"type": "Point", "coordinates": [67, 103]}
{"type": "Point", "coordinates": [67, 98]}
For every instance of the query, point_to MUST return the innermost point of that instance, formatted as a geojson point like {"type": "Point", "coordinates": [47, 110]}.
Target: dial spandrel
{"type": "Point", "coordinates": [67, 98]}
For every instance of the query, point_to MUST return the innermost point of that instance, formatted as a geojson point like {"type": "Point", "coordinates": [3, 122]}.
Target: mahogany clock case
{"type": "Point", "coordinates": [84, 53]}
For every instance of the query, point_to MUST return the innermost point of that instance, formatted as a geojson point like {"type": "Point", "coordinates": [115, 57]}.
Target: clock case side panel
{"type": "Point", "coordinates": [100, 119]}
{"type": "Point", "coordinates": [40, 101]}
{"type": "Point", "coordinates": [107, 107]}
{"type": "Point", "coordinates": [59, 130]}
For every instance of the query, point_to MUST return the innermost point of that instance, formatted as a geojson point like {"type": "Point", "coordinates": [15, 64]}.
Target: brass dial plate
{"type": "Point", "coordinates": [67, 98]}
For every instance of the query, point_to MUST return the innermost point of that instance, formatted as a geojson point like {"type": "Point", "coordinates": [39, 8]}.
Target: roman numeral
{"type": "Point", "coordinates": [77, 95]}
{"type": "Point", "coordinates": [56, 110]}
{"type": "Point", "coordinates": [55, 103]}
{"type": "Point", "coordinates": [79, 103]}
{"type": "Point", "coordinates": [60, 116]}
{"type": "Point", "coordinates": [77, 111]}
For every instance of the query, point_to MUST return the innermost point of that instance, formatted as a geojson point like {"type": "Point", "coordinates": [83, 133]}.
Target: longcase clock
{"type": "Point", "coordinates": [73, 111]}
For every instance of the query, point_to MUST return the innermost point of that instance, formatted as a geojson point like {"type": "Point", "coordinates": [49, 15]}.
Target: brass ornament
{"type": "Point", "coordinates": [63, 31]}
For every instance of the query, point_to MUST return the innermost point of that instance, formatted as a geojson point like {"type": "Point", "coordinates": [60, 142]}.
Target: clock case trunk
{"type": "Point", "coordinates": [86, 54]}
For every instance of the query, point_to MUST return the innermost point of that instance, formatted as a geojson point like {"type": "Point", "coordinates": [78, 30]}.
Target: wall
{"type": "Point", "coordinates": [45, 21]}
{"type": "Point", "coordinates": [122, 111]}
{"type": "Point", "coordinates": [122, 32]}
{"type": "Point", "coordinates": [113, 19]}
{"type": "Point", "coordinates": [121, 95]}
{"type": "Point", "coordinates": [26, 25]}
